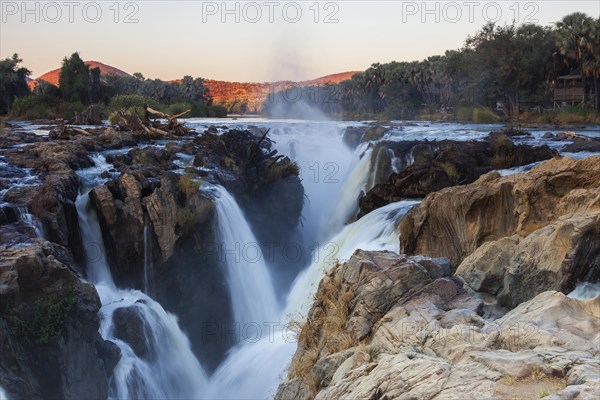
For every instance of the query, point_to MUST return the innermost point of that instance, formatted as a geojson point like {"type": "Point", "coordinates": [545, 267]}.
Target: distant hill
{"type": "Point", "coordinates": [255, 93]}
{"type": "Point", "coordinates": [222, 92]}
{"type": "Point", "coordinates": [52, 76]}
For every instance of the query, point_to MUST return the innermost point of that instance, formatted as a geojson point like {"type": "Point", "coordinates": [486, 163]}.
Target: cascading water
{"type": "Point", "coordinates": [276, 344]}
{"type": "Point", "coordinates": [346, 204]}
{"type": "Point", "coordinates": [167, 368]}
{"type": "Point", "coordinates": [30, 220]}
{"type": "Point", "coordinates": [3, 395]}
{"type": "Point", "coordinates": [374, 231]}
{"type": "Point", "coordinates": [333, 177]}
{"type": "Point", "coordinates": [585, 291]}
{"type": "Point", "coordinates": [250, 285]}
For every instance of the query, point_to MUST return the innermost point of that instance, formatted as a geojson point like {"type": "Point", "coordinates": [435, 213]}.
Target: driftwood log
{"type": "Point", "coordinates": [151, 122]}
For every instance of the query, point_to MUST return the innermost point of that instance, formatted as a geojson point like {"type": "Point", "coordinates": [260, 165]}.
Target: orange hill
{"type": "Point", "coordinates": [52, 76]}
{"type": "Point", "coordinates": [255, 94]}
{"type": "Point", "coordinates": [222, 92]}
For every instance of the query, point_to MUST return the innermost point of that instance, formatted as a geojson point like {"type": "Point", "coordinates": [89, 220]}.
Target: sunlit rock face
{"type": "Point", "coordinates": [387, 325]}
{"type": "Point", "coordinates": [515, 236]}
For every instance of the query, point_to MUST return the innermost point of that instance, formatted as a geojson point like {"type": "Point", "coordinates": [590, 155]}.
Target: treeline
{"type": "Point", "coordinates": [80, 86]}
{"type": "Point", "coordinates": [501, 71]}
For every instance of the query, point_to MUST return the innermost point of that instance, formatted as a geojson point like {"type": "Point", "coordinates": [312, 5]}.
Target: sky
{"type": "Point", "coordinates": [256, 41]}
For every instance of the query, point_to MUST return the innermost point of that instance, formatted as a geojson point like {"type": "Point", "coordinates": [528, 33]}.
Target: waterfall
{"type": "Point", "coordinates": [167, 368]}
{"type": "Point", "coordinates": [3, 395]}
{"type": "Point", "coordinates": [346, 204]}
{"type": "Point", "coordinates": [250, 286]}
{"type": "Point", "coordinates": [585, 291]}
{"type": "Point", "coordinates": [374, 231]}
{"type": "Point", "coordinates": [170, 370]}
{"type": "Point", "coordinates": [30, 220]}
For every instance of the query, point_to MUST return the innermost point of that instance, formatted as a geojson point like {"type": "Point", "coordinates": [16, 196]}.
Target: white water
{"type": "Point", "coordinates": [346, 204]}
{"type": "Point", "coordinates": [250, 285]}
{"type": "Point", "coordinates": [3, 395]}
{"type": "Point", "coordinates": [585, 291]}
{"type": "Point", "coordinates": [170, 370]}
{"type": "Point", "coordinates": [236, 377]}
{"type": "Point", "coordinates": [374, 231]}
{"type": "Point", "coordinates": [30, 220]}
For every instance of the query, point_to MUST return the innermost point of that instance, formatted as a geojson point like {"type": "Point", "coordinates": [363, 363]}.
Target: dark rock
{"type": "Point", "coordinates": [438, 165]}
{"type": "Point", "coordinates": [131, 328]}
{"type": "Point", "coordinates": [49, 325]}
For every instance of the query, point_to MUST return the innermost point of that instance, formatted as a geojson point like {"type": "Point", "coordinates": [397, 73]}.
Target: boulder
{"type": "Point", "coordinates": [515, 236]}
{"type": "Point", "coordinates": [427, 167]}
{"type": "Point", "coordinates": [49, 325]}
{"type": "Point", "coordinates": [423, 343]}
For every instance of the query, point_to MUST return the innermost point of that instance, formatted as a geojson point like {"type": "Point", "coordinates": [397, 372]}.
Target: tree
{"type": "Point", "coordinates": [74, 80]}
{"type": "Point", "coordinates": [578, 41]}
{"type": "Point", "coordinates": [13, 82]}
{"type": "Point", "coordinates": [511, 60]}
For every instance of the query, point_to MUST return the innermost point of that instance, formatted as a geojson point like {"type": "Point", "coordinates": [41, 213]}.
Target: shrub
{"type": "Point", "coordinates": [282, 170]}
{"type": "Point", "coordinates": [485, 116]}
{"type": "Point", "coordinates": [177, 108]}
{"type": "Point", "coordinates": [44, 321]}
{"type": "Point", "coordinates": [450, 171]}
{"type": "Point", "coordinates": [217, 112]}
{"type": "Point", "coordinates": [69, 109]}
{"type": "Point", "coordinates": [34, 107]}
{"type": "Point", "coordinates": [127, 101]}
{"type": "Point", "coordinates": [114, 117]}
{"type": "Point", "coordinates": [188, 185]}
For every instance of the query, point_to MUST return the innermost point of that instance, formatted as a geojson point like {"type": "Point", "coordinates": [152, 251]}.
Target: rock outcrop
{"type": "Point", "coordinates": [389, 326]}
{"type": "Point", "coordinates": [159, 226]}
{"type": "Point", "coordinates": [51, 347]}
{"type": "Point", "coordinates": [515, 236]}
{"type": "Point", "coordinates": [427, 167]}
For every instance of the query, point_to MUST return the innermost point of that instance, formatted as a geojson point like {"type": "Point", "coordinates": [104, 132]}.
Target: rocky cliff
{"type": "Point", "coordinates": [49, 325]}
{"type": "Point", "coordinates": [515, 236]}
{"type": "Point", "coordinates": [390, 326]}
{"type": "Point", "coordinates": [153, 219]}
{"type": "Point", "coordinates": [425, 167]}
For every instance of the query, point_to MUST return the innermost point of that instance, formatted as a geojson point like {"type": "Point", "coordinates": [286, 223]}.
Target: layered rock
{"type": "Point", "coordinates": [159, 227]}
{"type": "Point", "coordinates": [49, 325]}
{"type": "Point", "coordinates": [390, 326]}
{"type": "Point", "coordinates": [515, 236]}
{"type": "Point", "coordinates": [426, 167]}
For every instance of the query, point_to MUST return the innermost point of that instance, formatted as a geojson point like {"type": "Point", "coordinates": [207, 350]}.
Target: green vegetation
{"type": "Point", "coordinates": [44, 321]}
{"type": "Point", "coordinates": [80, 86]}
{"type": "Point", "coordinates": [282, 170]}
{"type": "Point", "coordinates": [13, 82]}
{"type": "Point", "coordinates": [501, 72]}
{"type": "Point", "coordinates": [189, 185]}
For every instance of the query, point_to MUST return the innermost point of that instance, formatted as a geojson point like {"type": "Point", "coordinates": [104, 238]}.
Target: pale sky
{"type": "Point", "coordinates": [175, 38]}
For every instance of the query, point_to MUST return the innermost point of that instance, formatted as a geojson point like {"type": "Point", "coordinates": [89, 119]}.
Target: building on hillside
{"type": "Point", "coordinates": [569, 90]}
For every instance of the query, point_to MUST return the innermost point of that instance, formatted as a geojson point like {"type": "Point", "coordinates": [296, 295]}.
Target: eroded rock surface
{"type": "Point", "coordinates": [402, 328]}
{"type": "Point", "coordinates": [515, 236]}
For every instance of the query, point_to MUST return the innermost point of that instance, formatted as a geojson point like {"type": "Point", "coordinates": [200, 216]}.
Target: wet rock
{"type": "Point", "coordinates": [433, 166]}
{"type": "Point", "coordinates": [131, 328]}
{"type": "Point", "coordinates": [355, 135]}
{"type": "Point", "coordinates": [49, 325]}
